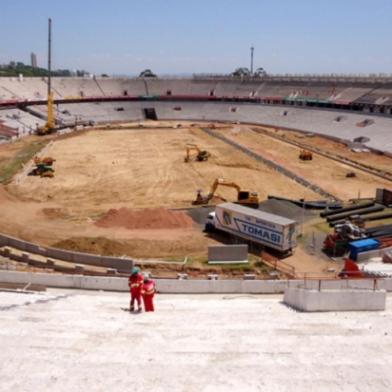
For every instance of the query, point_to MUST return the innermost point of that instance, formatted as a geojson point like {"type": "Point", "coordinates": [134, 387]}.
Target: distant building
{"type": "Point", "coordinates": [33, 60]}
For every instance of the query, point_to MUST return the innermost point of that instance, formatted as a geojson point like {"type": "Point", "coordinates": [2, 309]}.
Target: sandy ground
{"type": "Point", "coordinates": [100, 170]}
{"type": "Point", "coordinates": [73, 340]}
{"type": "Point", "coordinates": [144, 168]}
{"type": "Point", "coordinates": [140, 168]}
{"type": "Point", "coordinates": [324, 172]}
{"type": "Point", "coordinates": [378, 161]}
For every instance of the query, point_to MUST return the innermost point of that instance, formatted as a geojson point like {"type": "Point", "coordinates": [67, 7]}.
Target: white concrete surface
{"type": "Point", "coordinates": [334, 300]}
{"type": "Point", "coordinates": [85, 342]}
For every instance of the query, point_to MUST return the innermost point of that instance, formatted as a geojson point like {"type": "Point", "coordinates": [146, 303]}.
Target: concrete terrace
{"type": "Point", "coordinates": [65, 340]}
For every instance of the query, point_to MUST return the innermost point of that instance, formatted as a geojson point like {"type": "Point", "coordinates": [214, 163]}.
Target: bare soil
{"type": "Point", "coordinates": [127, 181]}
{"type": "Point", "coordinates": [326, 173]}
{"type": "Point", "coordinates": [376, 160]}
{"type": "Point", "coordinates": [150, 218]}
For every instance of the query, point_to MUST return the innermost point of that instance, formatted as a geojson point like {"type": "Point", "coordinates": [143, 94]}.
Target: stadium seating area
{"type": "Point", "coordinates": [304, 119]}
{"type": "Point", "coordinates": [290, 109]}
{"type": "Point", "coordinates": [333, 92]}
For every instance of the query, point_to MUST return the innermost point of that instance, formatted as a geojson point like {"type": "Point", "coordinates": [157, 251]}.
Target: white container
{"type": "Point", "coordinates": [270, 230]}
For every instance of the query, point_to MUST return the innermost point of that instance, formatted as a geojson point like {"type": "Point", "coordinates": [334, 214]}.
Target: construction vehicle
{"type": "Point", "coordinates": [305, 155]}
{"type": "Point", "coordinates": [43, 167]}
{"type": "Point", "coordinates": [45, 161]}
{"type": "Point", "coordinates": [202, 155]}
{"type": "Point", "coordinates": [245, 198]}
{"type": "Point", "coordinates": [276, 232]}
{"type": "Point", "coordinates": [50, 125]}
{"type": "Point", "coordinates": [42, 170]}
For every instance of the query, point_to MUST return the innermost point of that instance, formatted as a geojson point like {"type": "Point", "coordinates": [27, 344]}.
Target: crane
{"type": "Point", "coordinates": [246, 198]}
{"type": "Point", "coordinates": [202, 155]}
{"type": "Point", "coordinates": [50, 122]}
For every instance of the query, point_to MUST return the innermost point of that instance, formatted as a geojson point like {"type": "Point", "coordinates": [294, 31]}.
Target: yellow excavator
{"type": "Point", "coordinates": [245, 198]}
{"type": "Point", "coordinates": [202, 155]}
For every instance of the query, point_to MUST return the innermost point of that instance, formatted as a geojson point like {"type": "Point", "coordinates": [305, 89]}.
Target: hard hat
{"type": "Point", "coordinates": [135, 270]}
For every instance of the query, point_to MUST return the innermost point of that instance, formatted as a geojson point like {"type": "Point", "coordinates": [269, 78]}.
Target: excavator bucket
{"type": "Point", "coordinates": [200, 199]}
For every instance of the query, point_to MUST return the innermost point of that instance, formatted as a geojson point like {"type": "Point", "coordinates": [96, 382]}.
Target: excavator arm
{"type": "Point", "coordinates": [201, 155]}
{"type": "Point", "coordinates": [243, 197]}
{"type": "Point", "coordinates": [222, 182]}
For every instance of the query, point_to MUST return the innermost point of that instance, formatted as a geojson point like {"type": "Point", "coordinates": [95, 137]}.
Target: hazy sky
{"type": "Point", "coordinates": [181, 36]}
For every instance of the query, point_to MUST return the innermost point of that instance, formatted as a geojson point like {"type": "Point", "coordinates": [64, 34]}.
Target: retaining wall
{"type": "Point", "coordinates": [121, 264]}
{"type": "Point", "coordinates": [173, 286]}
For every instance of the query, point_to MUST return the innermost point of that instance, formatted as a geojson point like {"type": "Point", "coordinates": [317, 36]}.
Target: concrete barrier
{"type": "Point", "coordinates": [227, 254]}
{"type": "Point", "coordinates": [188, 286]}
{"type": "Point", "coordinates": [122, 265]}
{"type": "Point", "coordinates": [309, 300]}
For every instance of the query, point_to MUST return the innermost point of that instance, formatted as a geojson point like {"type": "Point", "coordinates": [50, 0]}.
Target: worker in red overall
{"type": "Point", "coordinates": [135, 283]}
{"type": "Point", "coordinates": [148, 291]}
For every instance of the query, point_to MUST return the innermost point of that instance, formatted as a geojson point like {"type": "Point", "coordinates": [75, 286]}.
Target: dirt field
{"type": "Point", "coordinates": [137, 169]}
{"type": "Point", "coordinates": [326, 173]}
{"type": "Point", "coordinates": [144, 168]}
{"type": "Point", "coordinates": [379, 161]}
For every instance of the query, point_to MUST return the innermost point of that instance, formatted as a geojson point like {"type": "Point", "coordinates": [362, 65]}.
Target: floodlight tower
{"type": "Point", "coordinates": [251, 59]}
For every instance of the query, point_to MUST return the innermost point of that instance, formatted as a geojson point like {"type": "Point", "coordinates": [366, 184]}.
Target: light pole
{"type": "Point", "coordinates": [251, 59]}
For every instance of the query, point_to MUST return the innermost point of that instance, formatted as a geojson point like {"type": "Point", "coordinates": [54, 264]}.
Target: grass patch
{"type": "Point", "coordinates": [9, 167]}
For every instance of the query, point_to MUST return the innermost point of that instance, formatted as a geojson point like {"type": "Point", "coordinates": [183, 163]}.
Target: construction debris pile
{"type": "Point", "coordinates": [360, 244]}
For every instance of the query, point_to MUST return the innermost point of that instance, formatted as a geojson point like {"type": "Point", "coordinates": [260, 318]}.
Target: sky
{"type": "Point", "coordinates": [123, 37]}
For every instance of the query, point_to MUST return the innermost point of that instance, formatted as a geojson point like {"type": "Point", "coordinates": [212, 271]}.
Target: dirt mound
{"type": "Point", "coordinates": [149, 218]}
{"type": "Point", "coordinates": [96, 245]}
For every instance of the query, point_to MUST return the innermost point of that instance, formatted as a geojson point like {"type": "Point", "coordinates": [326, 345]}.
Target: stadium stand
{"type": "Point", "coordinates": [281, 103]}
{"type": "Point", "coordinates": [122, 86]}
{"type": "Point", "coordinates": [17, 121]}
{"type": "Point", "coordinates": [24, 88]}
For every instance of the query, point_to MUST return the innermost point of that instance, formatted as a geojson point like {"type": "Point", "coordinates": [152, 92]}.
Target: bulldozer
{"type": "Point", "coordinates": [43, 167]}
{"type": "Point", "coordinates": [202, 155]}
{"type": "Point", "coordinates": [305, 155]}
{"type": "Point", "coordinates": [245, 198]}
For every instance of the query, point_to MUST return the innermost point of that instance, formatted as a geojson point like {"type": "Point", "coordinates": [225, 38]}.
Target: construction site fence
{"type": "Point", "coordinates": [281, 266]}
{"type": "Point", "coordinates": [123, 265]}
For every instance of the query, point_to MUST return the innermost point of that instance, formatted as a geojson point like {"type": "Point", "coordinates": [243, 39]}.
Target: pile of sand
{"type": "Point", "coordinates": [149, 218]}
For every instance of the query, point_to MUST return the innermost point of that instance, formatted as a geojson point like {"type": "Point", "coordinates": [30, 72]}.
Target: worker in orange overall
{"type": "Point", "coordinates": [135, 283]}
{"type": "Point", "coordinates": [148, 291]}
